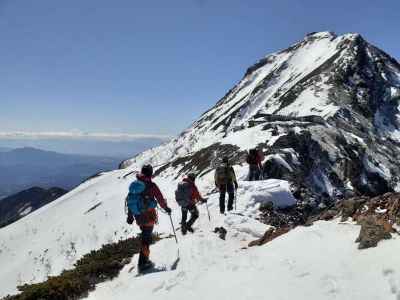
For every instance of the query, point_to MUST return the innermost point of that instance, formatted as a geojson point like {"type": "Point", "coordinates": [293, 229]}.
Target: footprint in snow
{"type": "Point", "coordinates": [305, 274]}
{"type": "Point", "coordinates": [331, 284]}
{"type": "Point", "coordinates": [171, 283]}
{"type": "Point", "coordinates": [393, 283]}
{"type": "Point", "coordinates": [159, 287]}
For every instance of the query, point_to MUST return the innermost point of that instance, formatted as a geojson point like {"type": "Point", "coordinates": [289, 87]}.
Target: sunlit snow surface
{"type": "Point", "coordinates": [318, 262]}
{"type": "Point", "coordinates": [55, 236]}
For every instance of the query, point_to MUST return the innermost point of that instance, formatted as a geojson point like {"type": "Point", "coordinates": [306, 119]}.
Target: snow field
{"type": "Point", "coordinates": [318, 262]}
{"type": "Point", "coordinates": [54, 237]}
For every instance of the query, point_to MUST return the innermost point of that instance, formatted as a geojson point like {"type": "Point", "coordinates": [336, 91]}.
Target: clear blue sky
{"type": "Point", "coordinates": [152, 66]}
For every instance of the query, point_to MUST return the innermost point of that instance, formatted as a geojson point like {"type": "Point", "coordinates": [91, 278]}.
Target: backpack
{"type": "Point", "coordinates": [261, 155]}
{"type": "Point", "coordinates": [137, 201]}
{"type": "Point", "coordinates": [223, 174]}
{"type": "Point", "coordinates": [252, 158]}
{"type": "Point", "coordinates": [183, 194]}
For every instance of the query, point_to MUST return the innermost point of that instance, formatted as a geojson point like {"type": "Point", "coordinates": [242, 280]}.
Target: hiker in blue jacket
{"type": "Point", "coordinates": [144, 195]}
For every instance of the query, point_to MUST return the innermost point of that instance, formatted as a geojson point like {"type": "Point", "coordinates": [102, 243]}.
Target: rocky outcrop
{"type": "Point", "coordinates": [269, 235]}
{"type": "Point", "coordinates": [377, 217]}
{"type": "Point", "coordinates": [21, 204]}
{"type": "Point", "coordinates": [372, 232]}
{"type": "Point", "coordinates": [221, 231]}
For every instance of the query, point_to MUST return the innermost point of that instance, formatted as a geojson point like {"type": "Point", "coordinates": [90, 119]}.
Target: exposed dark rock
{"type": "Point", "coordinates": [350, 206]}
{"type": "Point", "coordinates": [203, 161]}
{"type": "Point", "coordinates": [328, 215]}
{"type": "Point", "coordinates": [93, 208]}
{"type": "Point", "coordinates": [273, 168]}
{"type": "Point", "coordinates": [269, 235]}
{"type": "Point", "coordinates": [221, 232]}
{"type": "Point", "coordinates": [375, 215]}
{"type": "Point", "coordinates": [19, 205]}
{"type": "Point", "coordinates": [286, 217]}
{"type": "Point", "coordinates": [372, 232]}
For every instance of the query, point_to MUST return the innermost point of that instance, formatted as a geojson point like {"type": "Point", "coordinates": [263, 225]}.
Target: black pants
{"type": "Point", "coordinates": [146, 239]}
{"type": "Point", "coordinates": [231, 192]}
{"type": "Point", "coordinates": [254, 172]}
{"type": "Point", "coordinates": [194, 214]}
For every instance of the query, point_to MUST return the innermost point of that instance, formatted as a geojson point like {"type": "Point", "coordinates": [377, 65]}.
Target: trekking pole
{"type": "Point", "coordinates": [235, 198]}
{"type": "Point", "coordinates": [208, 212]}
{"type": "Point", "coordinates": [173, 228]}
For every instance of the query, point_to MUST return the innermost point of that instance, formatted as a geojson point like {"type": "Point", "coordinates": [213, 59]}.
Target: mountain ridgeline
{"type": "Point", "coordinates": [23, 203]}
{"type": "Point", "coordinates": [23, 168]}
{"type": "Point", "coordinates": [325, 111]}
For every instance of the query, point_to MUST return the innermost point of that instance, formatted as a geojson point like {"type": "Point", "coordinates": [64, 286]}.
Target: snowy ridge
{"type": "Point", "coordinates": [326, 113]}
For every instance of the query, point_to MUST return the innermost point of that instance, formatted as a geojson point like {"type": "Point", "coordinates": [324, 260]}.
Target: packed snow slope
{"type": "Point", "coordinates": [309, 263]}
{"type": "Point", "coordinates": [55, 236]}
{"type": "Point", "coordinates": [325, 111]}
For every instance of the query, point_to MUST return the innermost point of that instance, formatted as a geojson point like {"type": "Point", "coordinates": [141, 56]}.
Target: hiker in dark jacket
{"type": "Point", "coordinates": [187, 195]}
{"type": "Point", "coordinates": [144, 195]}
{"type": "Point", "coordinates": [225, 181]}
{"type": "Point", "coordinates": [254, 159]}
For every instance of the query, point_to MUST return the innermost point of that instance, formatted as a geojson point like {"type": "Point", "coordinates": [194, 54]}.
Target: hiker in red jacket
{"type": "Point", "coordinates": [144, 195]}
{"type": "Point", "coordinates": [254, 159]}
{"type": "Point", "coordinates": [187, 195]}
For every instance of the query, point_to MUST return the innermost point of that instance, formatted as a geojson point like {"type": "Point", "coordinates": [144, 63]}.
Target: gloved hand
{"type": "Point", "coordinates": [130, 218]}
{"type": "Point", "coordinates": [236, 185]}
{"type": "Point", "coordinates": [168, 210]}
{"type": "Point", "coordinates": [203, 200]}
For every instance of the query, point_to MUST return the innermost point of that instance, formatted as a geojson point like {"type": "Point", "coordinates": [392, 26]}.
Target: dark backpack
{"type": "Point", "coordinates": [252, 158]}
{"type": "Point", "coordinates": [224, 174]}
{"type": "Point", "coordinates": [183, 194]}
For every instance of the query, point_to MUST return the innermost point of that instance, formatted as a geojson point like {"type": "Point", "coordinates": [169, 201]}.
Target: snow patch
{"type": "Point", "coordinates": [25, 210]}
{"type": "Point", "coordinates": [255, 193]}
{"type": "Point", "coordinates": [280, 160]}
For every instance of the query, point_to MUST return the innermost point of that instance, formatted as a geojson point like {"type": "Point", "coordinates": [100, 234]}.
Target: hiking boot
{"type": "Point", "coordinates": [190, 229]}
{"type": "Point", "coordinates": [146, 266]}
{"type": "Point", "coordinates": [183, 230]}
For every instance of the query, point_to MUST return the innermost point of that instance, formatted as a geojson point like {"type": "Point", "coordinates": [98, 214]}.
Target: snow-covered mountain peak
{"type": "Point", "coordinates": [306, 69]}
{"type": "Point", "coordinates": [328, 88]}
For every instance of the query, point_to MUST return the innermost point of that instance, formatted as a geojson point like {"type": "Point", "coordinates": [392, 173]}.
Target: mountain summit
{"type": "Point", "coordinates": [326, 110]}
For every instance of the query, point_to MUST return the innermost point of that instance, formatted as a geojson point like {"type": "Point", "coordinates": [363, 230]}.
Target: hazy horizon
{"type": "Point", "coordinates": [108, 148]}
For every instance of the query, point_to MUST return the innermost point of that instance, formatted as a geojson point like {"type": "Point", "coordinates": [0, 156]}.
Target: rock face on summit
{"type": "Point", "coordinates": [325, 111]}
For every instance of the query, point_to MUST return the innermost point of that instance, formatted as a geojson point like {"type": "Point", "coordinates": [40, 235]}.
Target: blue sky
{"type": "Point", "coordinates": [152, 67]}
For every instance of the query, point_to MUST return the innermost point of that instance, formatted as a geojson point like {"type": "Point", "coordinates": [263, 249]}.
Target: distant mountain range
{"type": "Point", "coordinates": [23, 203]}
{"type": "Point", "coordinates": [24, 168]}
{"type": "Point", "coordinates": [85, 146]}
